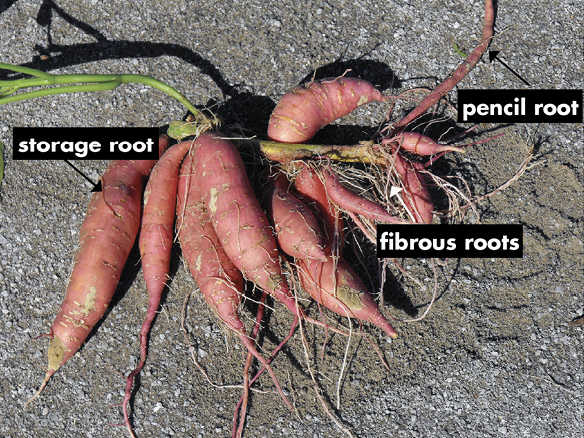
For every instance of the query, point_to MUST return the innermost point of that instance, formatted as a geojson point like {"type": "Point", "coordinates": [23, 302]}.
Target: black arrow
{"type": "Point", "coordinates": [96, 187]}
{"type": "Point", "coordinates": [493, 55]}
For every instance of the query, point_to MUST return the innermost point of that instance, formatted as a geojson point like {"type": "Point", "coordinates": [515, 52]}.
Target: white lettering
{"type": "Point", "coordinates": [468, 109]}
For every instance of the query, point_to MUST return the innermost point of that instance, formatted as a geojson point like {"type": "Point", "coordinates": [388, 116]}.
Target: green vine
{"type": "Point", "coordinates": [82, 83]}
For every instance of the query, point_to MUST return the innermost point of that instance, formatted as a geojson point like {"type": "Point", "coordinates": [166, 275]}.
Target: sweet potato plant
{"type": "Point", "coordinates": [283, 239]}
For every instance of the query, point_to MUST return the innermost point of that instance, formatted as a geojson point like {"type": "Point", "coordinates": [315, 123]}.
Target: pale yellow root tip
{"type": "Point", "coordinates": [43, 384]}
{"type": "Point", "coordinates": [455, 149]}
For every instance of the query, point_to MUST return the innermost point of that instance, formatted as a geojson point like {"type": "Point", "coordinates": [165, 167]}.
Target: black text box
{"type": "Point", "coordinates": [458, 241]}
{"type": "Point", "coordinates": [520, 106]}
{"type": "Point", "coordinates": [85, 143]}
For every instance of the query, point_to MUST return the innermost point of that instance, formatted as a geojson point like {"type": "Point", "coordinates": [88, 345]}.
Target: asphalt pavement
{"type": "Point", "coordinates": [495, 357]}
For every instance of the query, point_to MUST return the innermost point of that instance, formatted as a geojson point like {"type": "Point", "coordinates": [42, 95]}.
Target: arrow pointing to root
{"type": "Point", "coordinates": [493, 55]}
{"type": "Point", "coordinates": [395, 191]}
{"type": "Point", "coordinates": [96, 187]}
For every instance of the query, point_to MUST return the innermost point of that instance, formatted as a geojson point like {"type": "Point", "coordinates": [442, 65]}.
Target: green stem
{"type": "Point", "coordinates": [364, 152]}
{"type": "Point", "coordinates": [60, 80]}
{"type": "Point", "coordinates": [75, 83]}
{"type": "Point", "coordinates": [7, 91]}
{"type": "Point", "coordinates": [59, 90]}
{"type": "Point", "coordinates": [165, 88]}
{"type": "Point", "coordinates": [25, 70]}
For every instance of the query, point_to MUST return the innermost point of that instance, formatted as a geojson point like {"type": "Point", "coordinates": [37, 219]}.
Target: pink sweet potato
{"type": "Point", "coordinates": [296, 228]}
{"type": "Point", "coordinates": [305, 109]}
{"type": "Point", "coordinates": [219, 280]}
{"type": "Point", "coordinates": [312, 190]}
{"type": "Point", "coordinates": [221, 283]}
{"type": "Point", "coordinates": [334, 285]}
{"type": "Point", "coordinates": [416, 195]}
{"type": "Point", "coordinates": [237, 217]}
{"type": "Point", "coordinates": [106, 237]}
{"type": "Point", "coordinates": [156, 230]}
{"type": "Point", "coordinates": [155, 243]}
{"type": "Point", "coordinates": [353, 203]}
{"type": "Point", "coordinates": [420, 144]}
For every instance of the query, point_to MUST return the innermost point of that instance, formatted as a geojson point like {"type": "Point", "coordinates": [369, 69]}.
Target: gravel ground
{"type": "Point", "coordinates": [494, 357]}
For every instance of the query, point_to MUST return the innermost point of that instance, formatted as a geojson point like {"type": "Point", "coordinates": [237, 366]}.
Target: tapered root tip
{"type": "Point", "coordinates": [127, 396]}
{"type": "Point", "coordinates": [43, 384]}
{"type": "Point", "coordinates": [389, 331]}
{"type": "Point", "coordinates": [454, 149]}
